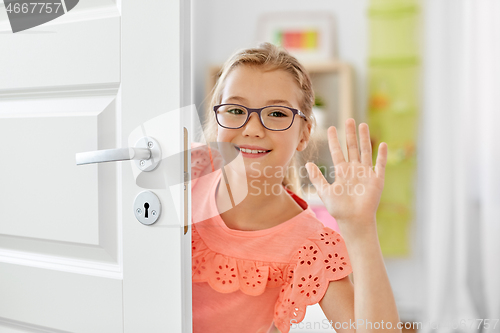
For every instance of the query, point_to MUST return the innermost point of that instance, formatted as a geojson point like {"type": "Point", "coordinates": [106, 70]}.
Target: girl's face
{"type": "Point", "coordinates": [253, 87]}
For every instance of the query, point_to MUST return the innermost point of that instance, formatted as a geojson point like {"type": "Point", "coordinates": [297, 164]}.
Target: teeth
{"type": "Point", "coordinates": [250, 151]}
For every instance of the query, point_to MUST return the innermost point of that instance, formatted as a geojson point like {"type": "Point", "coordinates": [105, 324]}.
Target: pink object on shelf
{"type": "Point", "coordinates": [325, 217]}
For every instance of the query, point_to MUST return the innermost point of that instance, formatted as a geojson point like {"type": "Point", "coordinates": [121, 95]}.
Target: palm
{"type": "Point", "coordinates": [355, 193]}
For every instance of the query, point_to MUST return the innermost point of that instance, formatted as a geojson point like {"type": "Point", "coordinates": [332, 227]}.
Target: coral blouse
{"type": "Point", "coordinates": [245, 280]}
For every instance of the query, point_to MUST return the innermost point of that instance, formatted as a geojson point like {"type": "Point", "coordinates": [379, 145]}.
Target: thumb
{"type": "Point", "coordinates": [316, 177]}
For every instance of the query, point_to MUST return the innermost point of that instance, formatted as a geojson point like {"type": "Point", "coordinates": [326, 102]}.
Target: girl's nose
{"type": "Point", "coordinates": [254, 127]}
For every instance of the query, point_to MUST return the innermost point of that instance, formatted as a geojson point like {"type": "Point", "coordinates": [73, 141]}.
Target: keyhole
{"type": "Point", "coordinates": [146, 206]}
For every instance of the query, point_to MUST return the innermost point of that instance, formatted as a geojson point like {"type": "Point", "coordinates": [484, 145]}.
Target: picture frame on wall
{"type": "Point", "coordinates": [309, 36]}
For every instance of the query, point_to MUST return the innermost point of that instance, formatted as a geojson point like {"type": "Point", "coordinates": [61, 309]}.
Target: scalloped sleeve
{"type": "Point", "coordinates": [321, 259]}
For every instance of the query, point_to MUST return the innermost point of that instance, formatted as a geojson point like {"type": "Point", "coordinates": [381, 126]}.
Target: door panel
{"type": "Point", "coordinates": [45, 145]}
{"type": "Point", "coordinates": [81, 49]}
{"type": "Point", "coordinates": [53, 298]}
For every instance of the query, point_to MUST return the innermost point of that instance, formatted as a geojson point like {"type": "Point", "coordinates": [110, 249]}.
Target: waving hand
{"type": "Point", "coordinates": [352, 199]}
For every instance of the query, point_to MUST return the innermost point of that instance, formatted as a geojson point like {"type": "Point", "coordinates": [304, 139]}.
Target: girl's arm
{"type": "Point", "coordinates": [353, 200]}
{"type": "Point", "coordinates": [370, 300]}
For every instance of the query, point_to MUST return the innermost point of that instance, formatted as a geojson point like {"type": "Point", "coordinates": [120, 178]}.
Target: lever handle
{"type": "Point", "coordinates": [110, 155]}
{"type": "Point", "coordinates": [146, 153]}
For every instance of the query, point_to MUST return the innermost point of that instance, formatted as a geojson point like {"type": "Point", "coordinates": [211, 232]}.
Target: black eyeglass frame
{"type": "Point", "coordinates": [259, 111]}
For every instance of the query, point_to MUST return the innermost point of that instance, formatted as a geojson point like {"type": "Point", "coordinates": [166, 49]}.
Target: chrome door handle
{"type": "Point", "coordinates": [110, 155]}
{"type": "Point", "coordinates": [146, 153]}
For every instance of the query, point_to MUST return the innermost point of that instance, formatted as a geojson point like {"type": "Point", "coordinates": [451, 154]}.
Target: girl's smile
{"type": "Point", "coordinates": [252, 151]}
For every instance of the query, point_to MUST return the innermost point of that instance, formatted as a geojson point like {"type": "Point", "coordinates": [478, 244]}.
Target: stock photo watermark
{"type": "Point", "coordinates": [26, 14]}
{"type": "Point", "coordinates": [465, 323]}
{"type": "Point", "coordinates": [241, 177]}
{"type": "Point", "coordinates": [258, 176]}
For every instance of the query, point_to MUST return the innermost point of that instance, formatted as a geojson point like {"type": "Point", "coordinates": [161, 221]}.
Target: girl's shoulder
{"type": "Point", "coordinates": [204, 160]}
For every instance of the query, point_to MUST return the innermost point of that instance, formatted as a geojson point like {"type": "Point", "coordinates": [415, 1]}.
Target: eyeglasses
{"type": "Point", "coordinates": [272, 117]}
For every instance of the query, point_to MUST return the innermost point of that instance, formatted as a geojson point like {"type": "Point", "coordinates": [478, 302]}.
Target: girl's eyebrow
{"type": "Point", "coordinates": [270, 102]}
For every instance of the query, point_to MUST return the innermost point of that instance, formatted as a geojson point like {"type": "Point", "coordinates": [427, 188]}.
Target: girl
{"type": "Point", "coordinates": [260, 256]}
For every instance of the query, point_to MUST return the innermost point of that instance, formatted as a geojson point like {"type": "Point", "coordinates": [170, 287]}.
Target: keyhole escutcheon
{"type": "Point", "coordinates": [147, 207]}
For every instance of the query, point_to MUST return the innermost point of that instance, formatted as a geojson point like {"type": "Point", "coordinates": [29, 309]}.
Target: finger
{"type": "Point", "coordinates": [333, 143]}
{"type": "Point", "coordinates": [352, 141]}
{"type": "Point", "coordinates": [366, 146]}
{"type": "Point", "coordinates": [317, 178]}
{"type": "Point", "coordinates": [381, 160]}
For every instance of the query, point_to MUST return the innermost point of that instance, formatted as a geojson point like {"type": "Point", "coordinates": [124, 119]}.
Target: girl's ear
{"type": "Point", "coordinates": [304, 136]}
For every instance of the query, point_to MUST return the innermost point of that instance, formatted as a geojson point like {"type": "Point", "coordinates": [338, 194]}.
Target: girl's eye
{"type": "Point", "coordinates": [236, 111]}
{"type": "Point", "coordinates": [277, 114]}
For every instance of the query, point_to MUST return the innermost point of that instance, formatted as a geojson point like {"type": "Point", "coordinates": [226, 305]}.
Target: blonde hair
{"type": "Point", "coordinates": [275, 58]}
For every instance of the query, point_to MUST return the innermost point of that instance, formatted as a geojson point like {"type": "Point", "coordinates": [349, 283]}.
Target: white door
{"type": "Point", "coordinates": [73, 257]}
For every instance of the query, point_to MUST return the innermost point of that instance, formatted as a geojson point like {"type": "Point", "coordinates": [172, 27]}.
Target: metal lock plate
{"type": "Point", "coordinates": [147, 207]}
{"type": "Point", "coordinates": [155, 159]}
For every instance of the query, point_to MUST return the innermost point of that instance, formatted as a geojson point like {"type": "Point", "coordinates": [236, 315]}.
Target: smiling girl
{"type": "Point", "coordinates": [261, 256]}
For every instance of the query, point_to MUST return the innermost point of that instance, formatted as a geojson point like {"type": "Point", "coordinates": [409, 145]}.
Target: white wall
{"type": "Point", "coordinates": [221, 26]}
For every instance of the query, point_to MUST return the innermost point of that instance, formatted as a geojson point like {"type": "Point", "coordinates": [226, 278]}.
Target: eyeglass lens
{"type": "Point", "coordinates": [273, 117]}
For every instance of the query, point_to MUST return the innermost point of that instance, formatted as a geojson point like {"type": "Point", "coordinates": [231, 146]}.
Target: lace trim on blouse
{"type": "Point", "coordinates": [322, 258]}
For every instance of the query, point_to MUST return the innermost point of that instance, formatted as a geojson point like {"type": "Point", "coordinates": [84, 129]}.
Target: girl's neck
{"type": "Point", "coordinates": [253, 204]}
